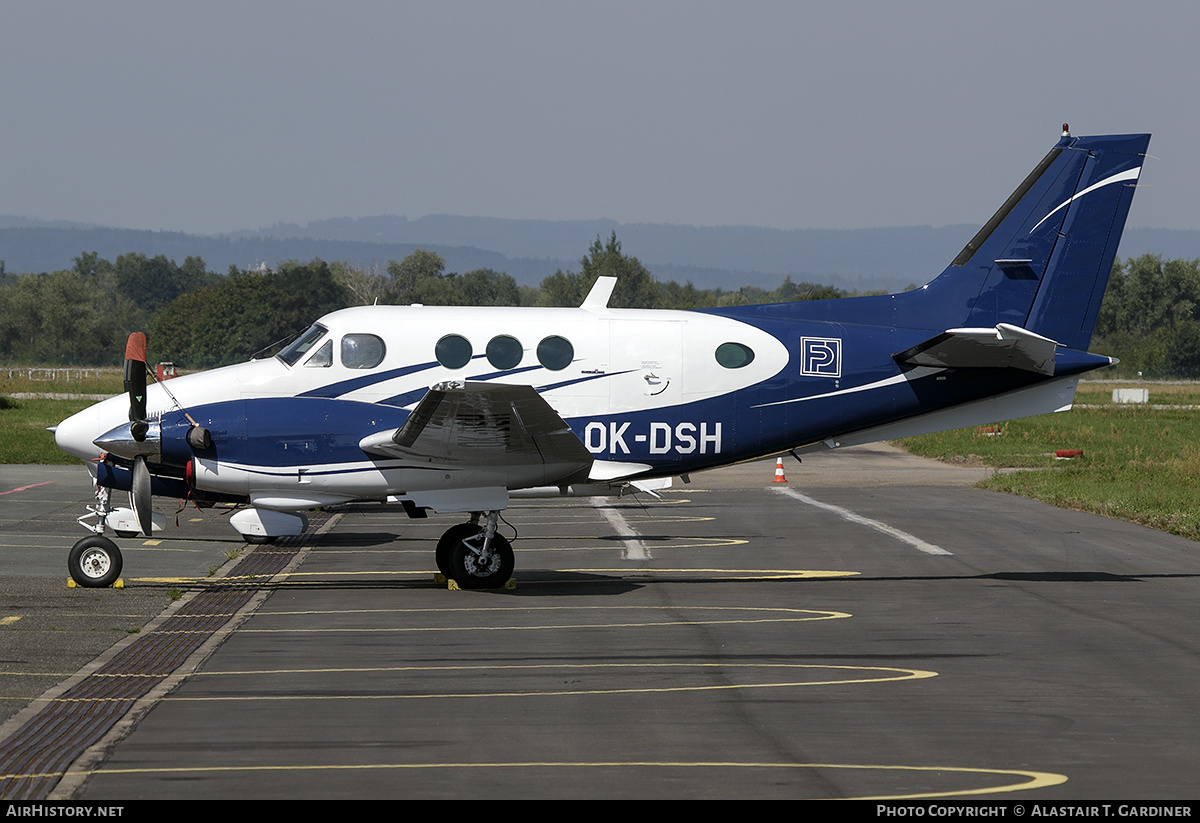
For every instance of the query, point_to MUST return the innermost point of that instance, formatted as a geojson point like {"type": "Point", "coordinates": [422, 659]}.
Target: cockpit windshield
{"type": "Point", "coordinates": [302, 344]}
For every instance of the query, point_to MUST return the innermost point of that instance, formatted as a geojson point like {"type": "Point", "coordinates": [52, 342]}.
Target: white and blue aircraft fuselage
{"type": "Point", "coordinates": [450, 409]}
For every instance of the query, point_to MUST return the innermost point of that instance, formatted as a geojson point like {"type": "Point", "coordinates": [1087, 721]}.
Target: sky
{"type": "Point", "coordinates": [217, 116]}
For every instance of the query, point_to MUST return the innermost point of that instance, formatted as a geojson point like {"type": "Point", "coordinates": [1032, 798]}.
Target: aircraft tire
{"type": "Point", "coordinates": [127, 535]}
{"type": "Point", "coordinates": [95, 562]}
{"type": "Point", "coordinates": [470, 574]}
{"type": "Point", "coordinates": [257, 539]}
{"type": "Point", "coordinates": [449, 541]}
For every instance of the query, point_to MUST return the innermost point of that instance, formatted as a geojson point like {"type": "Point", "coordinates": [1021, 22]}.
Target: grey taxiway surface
{"type": "Point", "coordinates": [874, 627]}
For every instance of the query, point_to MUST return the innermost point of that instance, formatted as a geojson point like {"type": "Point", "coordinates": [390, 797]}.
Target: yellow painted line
{"type": "Point", "coordinates": [8, 621]}
{"type": "Point", "coordinates": [179, 581]}
{"type": "Point", "coordinates": [886, 675]}
{"type": "Point", "coordinates": [34, 674]}
{"type": "Point", "coordinates": [318, 578]}
{"type": "Point", "coordinates": [641, 499]}
{"type": "Point", "coordinates": [693, 543]}
{"type": "Point", "coordinates": [489, 667]}
{"type": "Point", "coordinates": [151, 542]}
{"type": "Point", "coordinates": [521, 547]}
{"type": "Point", "coordinates": [755, 574]}
{"type": "Point", "coordinates": [547, 626]}
{"type": "Point", "coordinates": [1031, 779]}
{"type": "Point", "coordinates": [525, 610]}
{"type": "Point", "coordinates": [524, 522]}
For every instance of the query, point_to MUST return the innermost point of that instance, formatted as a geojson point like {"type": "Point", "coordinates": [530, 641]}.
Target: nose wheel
{"type": "Point", "coordinates": [95, 562]}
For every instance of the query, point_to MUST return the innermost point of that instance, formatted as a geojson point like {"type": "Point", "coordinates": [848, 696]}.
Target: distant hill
{"type": "Point", "coordinates": [529, 250]}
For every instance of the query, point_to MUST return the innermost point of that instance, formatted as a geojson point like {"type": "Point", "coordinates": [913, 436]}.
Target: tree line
{"type": "Point", "coordinates": [1150, 317]}
{"type": "Point", "coordinates": [200, 319]}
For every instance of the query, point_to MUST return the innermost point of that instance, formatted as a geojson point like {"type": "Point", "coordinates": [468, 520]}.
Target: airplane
{"type": "Point", "coordinates": [451, 409]}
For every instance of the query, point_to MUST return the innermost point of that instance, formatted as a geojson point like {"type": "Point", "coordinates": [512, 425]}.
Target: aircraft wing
{"type": "Point", "coordinates": [506, 430]}
{"type": "Point", "coordinates": [1004, 347]}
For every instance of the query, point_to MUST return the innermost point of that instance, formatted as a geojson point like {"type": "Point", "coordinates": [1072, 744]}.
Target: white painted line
{"type": "Point", "coordinates": [905, 537]}
{"type": "Point", "coordinates": [634, 550]}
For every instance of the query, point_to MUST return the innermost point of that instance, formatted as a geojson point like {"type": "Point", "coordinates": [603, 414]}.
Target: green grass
{"type": "Point", "coordinates": [1161, 394]}
{"type": "Point", "coordinates": [20, 379]}
{"type": "Point", "coordinates": [23, 435]}
{"type": "Point", "coordinates": [23, 423]}
{"type": "Point", "coordinates": [1138, 464]}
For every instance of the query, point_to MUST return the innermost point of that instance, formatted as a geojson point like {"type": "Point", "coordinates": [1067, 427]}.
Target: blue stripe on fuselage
{"type": "Point", "coordinates": [356, 383]}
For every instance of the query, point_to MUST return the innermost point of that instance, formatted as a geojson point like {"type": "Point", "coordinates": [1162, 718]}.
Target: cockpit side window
{"type": "Point", "coordinates": [302, 344]}
{"type": "Point", "coordinates": [323, 359]}
{"type": "Point", "coordinates": [362, 351]}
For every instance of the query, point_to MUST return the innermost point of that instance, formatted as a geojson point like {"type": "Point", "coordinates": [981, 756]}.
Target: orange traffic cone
{"type": "Point", "coordinates": [779, 478]}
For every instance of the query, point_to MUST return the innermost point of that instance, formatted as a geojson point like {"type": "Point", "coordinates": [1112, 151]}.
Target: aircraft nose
{"type": "Point", "coordinates": [75, 435]}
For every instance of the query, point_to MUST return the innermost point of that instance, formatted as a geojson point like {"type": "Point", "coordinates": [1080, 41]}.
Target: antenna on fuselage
{"type": "Point", "coordinates": [597, 298]}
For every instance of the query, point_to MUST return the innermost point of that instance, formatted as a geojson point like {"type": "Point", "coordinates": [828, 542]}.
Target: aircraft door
{"type": "Point", "coordinates": [645, 364]}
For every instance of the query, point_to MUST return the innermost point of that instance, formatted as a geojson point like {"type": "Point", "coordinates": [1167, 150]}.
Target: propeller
{"type": "Point", "coordinates": [140, 497]}
{"type": "Point", "coordinates": [135, 384]}
{"type": "Point", "coordinates": [141, 441]}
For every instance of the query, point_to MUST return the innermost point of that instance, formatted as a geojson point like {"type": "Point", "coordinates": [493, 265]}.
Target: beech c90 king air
{"type": "Point", "coordinates": [450, 409]}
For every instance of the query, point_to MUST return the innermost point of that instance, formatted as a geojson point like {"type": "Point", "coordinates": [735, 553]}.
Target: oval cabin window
{"type": "Point", "coordinates": [734, 355]}
{"type": "Point", "coordinates": [504, 352]}
{"type": "Point", "coordinates": [555, 353]}
{"type": "Point", "coordinates": [453, 351]}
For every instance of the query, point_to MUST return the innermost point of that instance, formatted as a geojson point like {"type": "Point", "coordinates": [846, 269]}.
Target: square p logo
{"type": "Point", "coordinates": [821, 356]}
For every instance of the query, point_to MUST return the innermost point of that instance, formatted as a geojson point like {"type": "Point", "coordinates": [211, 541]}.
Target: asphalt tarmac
{"type": "Point", "coordinates": [873, 627]}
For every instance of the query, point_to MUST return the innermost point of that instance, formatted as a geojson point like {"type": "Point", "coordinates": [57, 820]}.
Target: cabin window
{"type": "Point", "coordinates": [504, 352]}
{"type": "Point", "coordinates": [734, 355]}
{"type": "Point", "coordinates": [362, 351]}
{"type": "Point", "coordinates": [302, 344]}
{"type": "Point", "coordinates": [555, 353]}
{"type": "Point", "coordinates": [323, 358]}
{"type": "Point", "coordinates": [453, 351]}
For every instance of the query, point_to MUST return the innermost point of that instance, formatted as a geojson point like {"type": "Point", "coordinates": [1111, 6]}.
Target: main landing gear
{"type": "Point", "coordinates": [476, 556]}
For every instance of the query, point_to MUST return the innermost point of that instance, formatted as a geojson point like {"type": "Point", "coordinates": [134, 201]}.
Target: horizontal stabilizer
{"type": "Point", "coordinates": [1043, 397]}
{"type": "Point", "coordinates": [484, 426]}
{"type": "Point", "coordinates": [1004, 347]}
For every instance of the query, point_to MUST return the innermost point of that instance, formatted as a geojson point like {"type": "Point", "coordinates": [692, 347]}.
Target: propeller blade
{"type": "Point", "coordinates": [140, 497]}
{"type": "Point", "coordinates": [135, 383]}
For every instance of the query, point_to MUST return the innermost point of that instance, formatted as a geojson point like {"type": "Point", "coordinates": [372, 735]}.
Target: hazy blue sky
{"type": "Point", "coordinates": [212, 116]}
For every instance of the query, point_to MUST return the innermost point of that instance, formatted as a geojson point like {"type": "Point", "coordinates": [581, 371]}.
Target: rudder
{"type": "Point", "coordinates": [1045, 257]}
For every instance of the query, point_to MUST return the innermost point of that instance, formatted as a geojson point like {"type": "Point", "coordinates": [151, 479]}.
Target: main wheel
{"type": "Point", "coordinates": [475, 571]}
{"type": "Point", "coordinates": [449, 541]}
{"type": "Point", "coordinates": [95, 562]}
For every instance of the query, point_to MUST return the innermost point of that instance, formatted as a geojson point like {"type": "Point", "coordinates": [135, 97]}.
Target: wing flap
{"type": "Point", "coordinates": [484, 426]}
{"type": "Point", "coordinates": [1004, 347]}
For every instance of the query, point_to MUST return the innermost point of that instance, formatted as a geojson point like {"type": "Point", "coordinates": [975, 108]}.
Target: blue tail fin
{"type": "Point", "coordinates": [1042, 262]}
